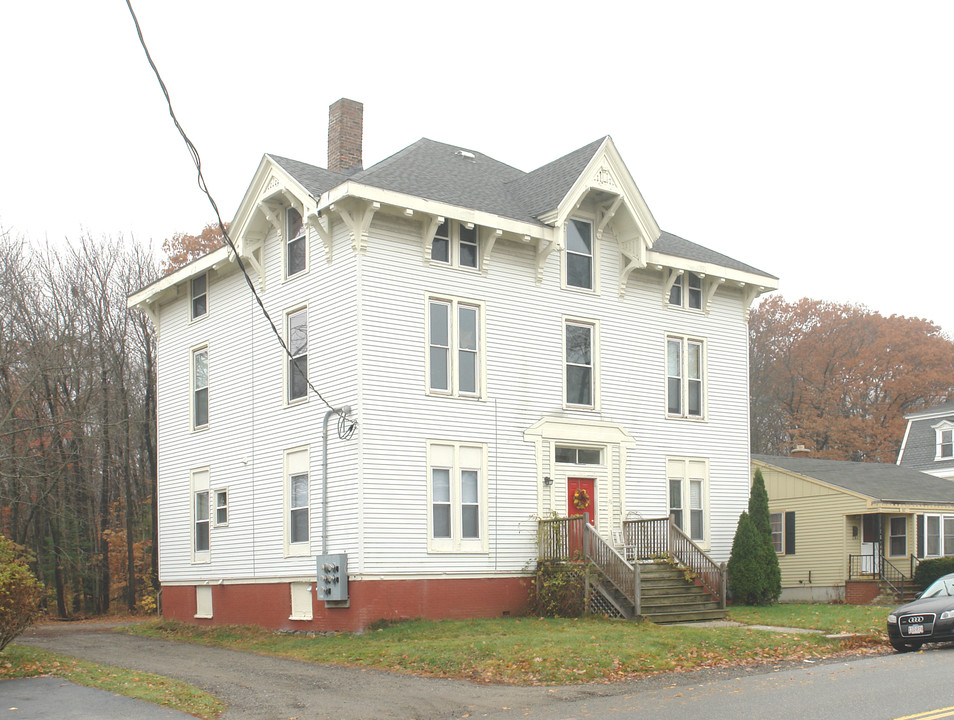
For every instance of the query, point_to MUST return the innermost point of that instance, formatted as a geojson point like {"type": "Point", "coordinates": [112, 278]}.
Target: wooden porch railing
{"type": "Point", "coordinates": [568, 539]}
{"type": "Point", "coordinates": [625, 577]}
{"type": "Point", "coordinates": [661, 538]}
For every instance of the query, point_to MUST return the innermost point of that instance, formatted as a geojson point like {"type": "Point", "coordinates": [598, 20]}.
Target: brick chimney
{"type": "Point", "coordinates": [345, 130]}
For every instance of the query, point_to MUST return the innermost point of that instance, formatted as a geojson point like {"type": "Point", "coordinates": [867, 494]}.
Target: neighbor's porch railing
{"type": "Point", "coordinates": [661, 538]}
{"type": "Point", "coordinates": [877, 566]}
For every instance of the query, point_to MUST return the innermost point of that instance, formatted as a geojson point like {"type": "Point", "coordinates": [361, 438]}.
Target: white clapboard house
{"type": "Point", "coordinates": [510, 345]}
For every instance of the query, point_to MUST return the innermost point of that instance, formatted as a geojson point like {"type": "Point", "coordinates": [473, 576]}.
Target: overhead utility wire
{"type": "Point", "coordinates": [345, 426]}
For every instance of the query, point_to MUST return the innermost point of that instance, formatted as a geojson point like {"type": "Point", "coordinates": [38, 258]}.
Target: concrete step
{"type": "Point", "coordinates": [665, 618]}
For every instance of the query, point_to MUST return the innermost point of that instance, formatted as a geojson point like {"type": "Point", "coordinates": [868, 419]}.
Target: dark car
{"type": "Point", "coordinates": [930, 618]}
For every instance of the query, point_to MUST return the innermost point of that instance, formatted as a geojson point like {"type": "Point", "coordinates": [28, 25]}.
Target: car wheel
{"type": "Point", "coordinates": [903, 646]}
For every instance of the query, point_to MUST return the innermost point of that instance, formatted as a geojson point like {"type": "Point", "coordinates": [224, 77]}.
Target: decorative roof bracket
{"type": "Point", "coordinates": [314, 222]}
{"type": "Point", "coordinates": [359, 223]}
{"type": "Point", "coordinates": [431, 223]}
{"type": "Point", "coordinates": [544, 248]}
{"type": "Point", "coordinates": [749, 293]}
{"type": "Point", "coordinates": [488, 237]}
{"type": "Point", "coordinates": [711, 286]}
{"type": "Point", "coordinates": [606, 214]}
{"type": "Point", "coordinates": [674, 274]}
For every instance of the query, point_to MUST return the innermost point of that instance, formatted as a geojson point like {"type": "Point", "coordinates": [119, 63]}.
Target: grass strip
{"type": "Point", "coordinates": [866, 620]}
{"type": "Point", "coordinates": [20, 661]}
{"type": "Point", "coordinates": [522, 651]}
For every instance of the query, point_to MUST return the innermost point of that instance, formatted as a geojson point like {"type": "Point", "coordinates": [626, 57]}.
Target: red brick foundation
{"type": "Point", "coordinates": [861, 592]}
{"type": "Point", "coordinates": [269, 604]}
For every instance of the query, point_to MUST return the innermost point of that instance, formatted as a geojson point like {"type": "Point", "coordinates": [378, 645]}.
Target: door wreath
{"type": "Point", "coordinates": [581, 499]}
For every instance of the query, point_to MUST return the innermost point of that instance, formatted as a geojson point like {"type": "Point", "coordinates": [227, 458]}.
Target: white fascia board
{"type": "Point", "coordinates": [573, 429]}
{"type": "Point", "coordinates": [904, 442]}
{"type": "Point", "coordinates": [711, 270]}
{"type": "Point", "coordinates": [352, 189]}
{"type": "Point", "coordinates": [186, 272]}
{"type": "Point", "coordinates": [928, 415]}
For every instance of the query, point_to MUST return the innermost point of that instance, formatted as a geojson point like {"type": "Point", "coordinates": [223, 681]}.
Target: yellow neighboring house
{"type": "Point", "coordinates": [849, 530]}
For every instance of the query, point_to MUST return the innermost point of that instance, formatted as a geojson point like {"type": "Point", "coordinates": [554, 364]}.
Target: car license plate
{"type": "Point", "coordinates": [915, 629]}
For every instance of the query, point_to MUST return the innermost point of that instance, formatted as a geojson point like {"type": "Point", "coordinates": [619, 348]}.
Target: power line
{"type": "Point", "coordinates": [346, 427]}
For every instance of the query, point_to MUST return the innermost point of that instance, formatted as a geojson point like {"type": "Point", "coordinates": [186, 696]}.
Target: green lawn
{"type": "Point", "coordinates": [861, 619]}
{"type": "Point", "coordinates": [531, 651]}
{"type": "Point", "coordinates": [19, 661]}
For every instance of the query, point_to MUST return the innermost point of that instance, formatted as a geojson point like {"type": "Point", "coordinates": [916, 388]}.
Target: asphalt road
{"type": "Point", "coordinates": [880, 687]}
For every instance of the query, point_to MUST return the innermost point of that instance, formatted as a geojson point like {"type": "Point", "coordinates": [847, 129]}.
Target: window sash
{"type": "Point", "coordinates": [694, 296]}
{"type": "Point", "coordinates": [675, 501]}
{"type": "Point", "coordinates": [199, 296]}
{"type": "Point", "coordinates": [298, 508]}
{"type": "Point", "coordinates": [467, 246]}
{"type": "Point", "coordinates": [933, 534]}
{"type": "Point", "coordinates": [775, 522]}
{"type": "Point", "coordinates": [696, 520]}
{"type": "Point", "coordinates": [470, 504]}
{"type": "Point", "coordinates": [200, 388]}
{"type": "Point", "coordinates": [221, 507]}
{"type": "Point", "coordinates": [945, 445]}
{"type": "Point", "coordinates": [897, 537]}
{"type": "Point", "coordinates": [441, 503]}
{"type": "Point", "coordinates": [297, 334]}
{"type": "Point", "coordinates": [579, 254]}
{"type": "Point", "coordinates": [295, 260]}
{"type": "Point", "coordinates": [454, 348]}
{"type": "Point", "coordinates": [685, 377]}
{"type": "Point", "coordinates": [201, 514]}
{"type": "Point", "coordinates": [674, 376]}
{"type": "Point", "coordinates": [579, 364]}
{"type": "Point", "coordinates": [440, 246]}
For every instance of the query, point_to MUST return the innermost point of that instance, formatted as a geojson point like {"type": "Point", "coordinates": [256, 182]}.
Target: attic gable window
{"type": "Point", "coordinates": [295, 243]}
{"type": "Point", "coordinates": [455, 244]}
{"type": "Point", "coordinates": [579, 254]}
{"type": "Point", "coordinates": [686, 291]}
{"type": "Point", "coordinates": [200, 295]}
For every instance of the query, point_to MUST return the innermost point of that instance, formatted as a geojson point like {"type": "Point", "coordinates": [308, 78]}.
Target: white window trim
{"type": "Point", "coordinates": [453, 246]}
{"type": "Point", "coordinates": [678, 468]}
{"type": "Point", "coordinates": [305, 235]}
{"type": "Point", "coordinates": [454, 364]}
{"type": "Point", "coordinates": [941, 518]}
{"type": "Point", "coordinates": [192, 316]}
{"type": "Point", "coordinates": [199, 482]}
{"type": "Point", "coordinates": [941, 427]}
{"type": "Point", "coordinates": [681, 279]}
{"type": "Point", "coordinates": [595, 325]}
{"type": "Point", "coordinates": [685, 340]}
{"type": "Point", "coordinates": [455, 543]}
{"type": "Point", "coordinates": [891, 536]}
{"type": "Point", "coordinates": [286, 360]}
{"type": "Point", "coordinates": [192, 388]}
{"type": "Point", "coordinates": [214, 502]}
{"type": "Point", "coordinates": [780, 548]}
{"type": "Point", "coordinates": [595, 265]}
{"type": "Point", "coordinates": [297, 461]}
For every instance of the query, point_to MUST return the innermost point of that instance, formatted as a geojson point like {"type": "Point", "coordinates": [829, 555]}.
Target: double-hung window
{"type": "Point", "coordinates": [199, 291]}
{"type": "Point", "coordinates": [580, 363]}
{"type": "Point", "coordinates": [944, 440]}
{"type": "Point", "coordinates": [221, 507]}
{"type": "Point", "coordinates": [775, 523]}
{"type": "Point", "coordinates": [296, 243]}
{"type": "Point", "coordinates": [457, 497]}
{"type": "Point", "coordinates": [455, 243]}
{"type": "Point", "coordinates": [455, 352]}
{"type": "Point", "coordinates": [782, 525]}
{"type": "Point", "coordinates": [200, 515]}
{"type": "Point", "coordinates": [688, 496]}
{"type": "Point", "coordinates": [297, 502]}
{"type": "Point", "coordinates": [200, 388]}
{"type": "Point", "coordinates": [686, 291]}
{"type": "Point", "coordinates": [296, 371]}
{"type": "Point", "coordinates": [685, 377]}
{"type": "Point", "coordinates": [579, 256]}
{"type": "Point", "coordinates": [898, 536]}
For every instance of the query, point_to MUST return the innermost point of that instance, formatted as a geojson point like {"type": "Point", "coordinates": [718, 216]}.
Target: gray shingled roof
{"type": "Point", "coordinates": [670, 244]}
{"type": "Point", "coordinates": [879, 481]}
{"type": "Point", "coordinates": [943, 408]}
{"type": "Point", "coordinates": [920, 445]}
{"type": "Point", "coordinates": [440, 172]}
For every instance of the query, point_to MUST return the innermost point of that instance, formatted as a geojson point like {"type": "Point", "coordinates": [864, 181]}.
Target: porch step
{"type": "Point", "coordinates": [667, 618]}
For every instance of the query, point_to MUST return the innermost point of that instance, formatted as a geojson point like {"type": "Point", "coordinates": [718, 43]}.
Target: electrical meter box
{"type": "Point", "coordinates": [332, 585]}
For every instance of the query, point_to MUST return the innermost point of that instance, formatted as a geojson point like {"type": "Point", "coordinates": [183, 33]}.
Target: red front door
{"type": "Point", "coordinates": [581, 498]}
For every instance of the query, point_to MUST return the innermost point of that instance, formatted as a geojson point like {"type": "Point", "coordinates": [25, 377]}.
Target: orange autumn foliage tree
{"type": "Point", "coordinates": [183, 248]}
{"type": "Point", "coordinates": [839, 378]}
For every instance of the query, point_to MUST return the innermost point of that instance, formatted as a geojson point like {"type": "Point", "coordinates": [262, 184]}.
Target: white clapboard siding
{"type": "Point", "coordinates": [368, 349]}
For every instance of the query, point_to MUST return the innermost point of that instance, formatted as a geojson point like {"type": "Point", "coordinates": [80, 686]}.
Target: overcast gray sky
{"type": "Point", "coordinates": [813, 140]}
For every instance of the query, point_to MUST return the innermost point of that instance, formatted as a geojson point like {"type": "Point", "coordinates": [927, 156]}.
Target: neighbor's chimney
{"type": "Point", "coordinates": [801, 451]}
{"type": "Point", "coordinates": [345, 127]}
